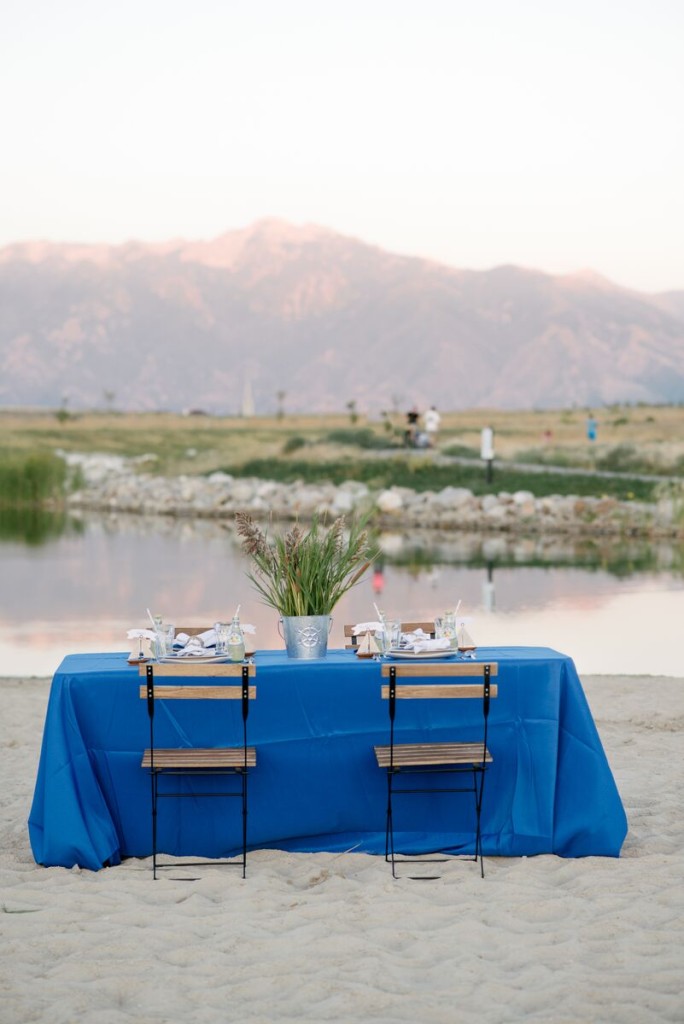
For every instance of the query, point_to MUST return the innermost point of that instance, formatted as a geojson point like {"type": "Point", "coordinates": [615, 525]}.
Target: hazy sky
{"type": "Point", "coordinates": [544, 133]}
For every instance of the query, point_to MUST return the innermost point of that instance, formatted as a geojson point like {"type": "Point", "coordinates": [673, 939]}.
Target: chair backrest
{"type": "Point", "coordinates": [484, 690]}
{"type": "Point", "coordinates": [406, 627]}
{"type": "Point", "coordinates": [180, 691]}
{"type": "Point", "coordinates": [441, 670]}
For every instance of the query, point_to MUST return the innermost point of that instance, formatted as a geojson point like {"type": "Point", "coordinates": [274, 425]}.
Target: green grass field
{"type": "Point", "coordinates": [631, 439]}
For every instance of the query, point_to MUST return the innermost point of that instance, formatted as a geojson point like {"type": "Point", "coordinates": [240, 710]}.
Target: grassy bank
{"type": "Point", "coordinates": [31, 478]}
{"type": "Point", "coordinates": [631, 439]}
{"type": "Point", "coordinates": [422, 474]}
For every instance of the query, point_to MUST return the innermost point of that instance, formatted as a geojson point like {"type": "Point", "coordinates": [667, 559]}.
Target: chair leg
{"type": "Point", "coordinates": [389, 836]}
{"type": "Point", "coordinates": [155, 783]}
{"type": "Point", "coordinates": [388, 816]}
{"type": "Point", "coordinates": [244, 824]}
{"type": "Point", "coordinates": [479, 790]}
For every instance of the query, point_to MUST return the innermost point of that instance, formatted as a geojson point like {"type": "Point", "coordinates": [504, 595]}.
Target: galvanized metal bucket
{"type": "Point", "coordinates": [306, 636]}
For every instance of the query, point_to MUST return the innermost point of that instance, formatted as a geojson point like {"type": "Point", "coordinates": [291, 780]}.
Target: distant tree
{"type": "Point", "coordinates": [63, 413]}
{"type": "Point", "coordinates": [280, 412]}
{"type": "Point", "coordinates": [109, 397]}
{"type": "Point", "coordinates": [353, 414]}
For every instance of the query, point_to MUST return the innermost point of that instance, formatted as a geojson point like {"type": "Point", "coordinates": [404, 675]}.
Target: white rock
{"type": "Point", "coordinates": [389, 502]}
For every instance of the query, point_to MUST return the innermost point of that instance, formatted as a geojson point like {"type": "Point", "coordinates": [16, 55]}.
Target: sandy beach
{"type": "Point", "coordinates": [324, 937]}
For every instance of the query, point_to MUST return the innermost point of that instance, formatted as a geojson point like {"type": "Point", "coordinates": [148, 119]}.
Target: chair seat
{"type": "Point", "coordinates": [198, 757]}
{"type": "Point", "coordinates": [423, 754]}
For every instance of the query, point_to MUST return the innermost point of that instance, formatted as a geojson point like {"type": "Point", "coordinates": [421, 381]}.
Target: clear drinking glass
{"type": "Point", "coordinates": [169, 633]}
{"type": "Point", "coordinates": [391, 636]}
{"type": "Point", "coordinates": [222, 630]}
{"type": "Point", "coordinates": [165, 634]}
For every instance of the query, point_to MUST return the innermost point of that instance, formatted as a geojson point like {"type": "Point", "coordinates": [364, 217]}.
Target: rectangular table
{"type": "Point", "coordinates": [316, 785]}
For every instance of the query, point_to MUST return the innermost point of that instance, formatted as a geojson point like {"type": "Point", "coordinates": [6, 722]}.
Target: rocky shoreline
{"type": "Point", "coordinates": [114, 484]}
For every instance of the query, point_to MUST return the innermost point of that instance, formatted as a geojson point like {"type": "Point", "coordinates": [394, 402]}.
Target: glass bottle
{"type": "Point", "coordinates": [236, 641]}
{"type": "Point", "coordinates": [449, 629]}
{"type": "Point", "coordinates": [158, 644]}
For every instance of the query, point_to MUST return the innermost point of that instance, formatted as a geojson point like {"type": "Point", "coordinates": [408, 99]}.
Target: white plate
{"type": "Point", "coordinates": [195, 659]}
{"type": "Point", "coordinates": [422, 655]}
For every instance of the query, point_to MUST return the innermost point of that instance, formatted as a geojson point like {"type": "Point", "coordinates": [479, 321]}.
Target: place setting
{"type": "Point", "coordinates": [386, 638]}
{"type": "Point", "coordinates": [162, 643]}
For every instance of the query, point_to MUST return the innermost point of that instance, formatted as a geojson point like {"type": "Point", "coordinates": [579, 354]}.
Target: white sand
{"type": "Point", "coordinates": [332, 938]}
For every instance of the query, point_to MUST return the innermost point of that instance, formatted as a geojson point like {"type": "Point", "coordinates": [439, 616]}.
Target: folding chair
{"type": "Point", "coordinates": [232, 761]}
{"type": "Point", "coordinates": [468, 759]}
{"type": "Point", "coordinates": [352, 639]}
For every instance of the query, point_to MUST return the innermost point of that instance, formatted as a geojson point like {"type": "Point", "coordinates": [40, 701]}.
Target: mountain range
{"type": "Point", "coordinates": [309, 319]}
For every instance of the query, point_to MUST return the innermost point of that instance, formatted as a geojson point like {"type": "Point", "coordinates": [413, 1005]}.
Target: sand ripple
{"type": "Point", "coordinates": [333, 938]}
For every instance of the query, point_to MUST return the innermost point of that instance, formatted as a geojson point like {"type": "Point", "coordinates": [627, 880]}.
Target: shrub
{"type": "Point", "coordinates": [624, 458]}
{"type": "Point", "coordinates": [31, 479]}
{"type": "Point", "coordinates": [293, 444]}
{"type": "Point", "coordinates": [461, 451]}
{"type": "Point", "coordinates": [360, 438]}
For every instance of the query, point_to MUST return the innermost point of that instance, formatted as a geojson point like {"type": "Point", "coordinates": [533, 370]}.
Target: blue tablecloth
{"type": "Point", "coordinates": [316, 785]}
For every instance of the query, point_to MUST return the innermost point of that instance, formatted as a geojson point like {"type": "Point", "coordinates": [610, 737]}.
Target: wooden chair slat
{"type": "Point", "coordinates": [432, 692]}
{"type": "Point", "coordinates": [198, 692]}
{"type": "Point", "coordinates": [426, 754]}
{"type": "Point", "coordinates": [185, 668]}
{"type": "Point", "coordinates": [197, 757]}
{"type": "Point", "coordinates": [443, 669]}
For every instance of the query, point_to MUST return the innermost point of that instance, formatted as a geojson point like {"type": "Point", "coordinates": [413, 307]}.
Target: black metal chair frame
{"type": "Point", "coordinates": [240, 771]}
{"type": "Point", "coordinates": [476, 769]}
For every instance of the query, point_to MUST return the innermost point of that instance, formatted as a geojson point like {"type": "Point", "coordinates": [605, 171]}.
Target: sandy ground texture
{"type": "Point", "coordinates": [333, 938]}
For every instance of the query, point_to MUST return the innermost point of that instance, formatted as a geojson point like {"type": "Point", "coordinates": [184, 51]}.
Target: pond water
{"type": "Point", "coordinates": [78, 584]}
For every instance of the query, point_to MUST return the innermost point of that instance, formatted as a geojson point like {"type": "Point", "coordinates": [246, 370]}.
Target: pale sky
{"type": "Point", "coordinates": [545, 133]}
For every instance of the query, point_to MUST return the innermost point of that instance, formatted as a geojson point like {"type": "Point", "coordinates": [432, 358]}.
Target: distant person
{"type": "Point", "coordinates": [548, 436]}
{"type": "Point", "coordinates": [412, 417]}
{"type": "Point", "coordinates": [432, 421]}
{"type": "Point", "coordinates": [378, 578]}
{"type": "Point", "coordinates": [592, 427]}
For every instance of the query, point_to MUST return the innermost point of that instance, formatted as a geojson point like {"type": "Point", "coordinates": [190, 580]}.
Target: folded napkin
{"type": "Point", "coordinates": [436, 645]}
{"type": "Point", "coordinates": [192, 650]}
{"type": "Point", "coordinates": [416, 636]}
{"type": "Point", "coordinates": [364, 627]}
{"type": "Point", "coordinates": [199, 641]}
{"type": "Point", "coordinates": [141, 634]}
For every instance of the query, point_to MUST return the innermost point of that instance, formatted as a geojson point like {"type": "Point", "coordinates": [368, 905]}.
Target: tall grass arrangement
{"type": "Point", "coordinates": [306, 572]}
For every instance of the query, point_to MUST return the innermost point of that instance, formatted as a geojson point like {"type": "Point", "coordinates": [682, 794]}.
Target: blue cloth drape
{"type": "Point", "coordinates": [316, 785]}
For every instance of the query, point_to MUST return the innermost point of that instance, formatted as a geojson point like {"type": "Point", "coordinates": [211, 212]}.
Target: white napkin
{"type": "Point", "coordinates": [415, 637]}
{"type": "Point", "coordinates": [364, 627]}
{"type": "Point", "coordinates": [194, 650]}
{"type": "Point", "coordinates": [200, 641]}
{"type": "Point", "coordinates": [141, 634]}
{"type": "Point", "coordinates": [438, 644]}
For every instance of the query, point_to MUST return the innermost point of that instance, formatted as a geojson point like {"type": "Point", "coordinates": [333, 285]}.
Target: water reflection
{"type": "Point", "coordinates": [34, 525]}
{"type": "Point", "coordinates": [613, 607]}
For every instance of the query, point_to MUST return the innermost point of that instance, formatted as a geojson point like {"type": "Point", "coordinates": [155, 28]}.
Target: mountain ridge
{"type": "Point", "coordinates": [327, 319]}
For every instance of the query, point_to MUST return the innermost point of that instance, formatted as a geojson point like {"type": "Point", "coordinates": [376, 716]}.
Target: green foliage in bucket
{"type": "Point", "coordinates": [306, 572]}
